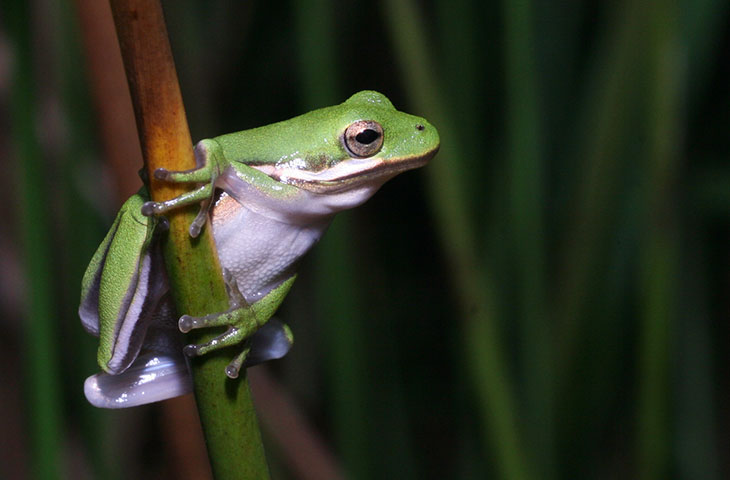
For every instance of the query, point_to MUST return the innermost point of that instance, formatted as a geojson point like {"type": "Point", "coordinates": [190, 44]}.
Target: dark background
{"type": "Point", "coordinates": [547, 299]}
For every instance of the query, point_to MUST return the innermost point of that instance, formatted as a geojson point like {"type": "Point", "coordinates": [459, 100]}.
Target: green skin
{"type": "Point", "coordinates": [281, 185]}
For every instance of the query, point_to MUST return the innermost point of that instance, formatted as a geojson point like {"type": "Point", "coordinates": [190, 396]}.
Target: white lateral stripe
{"type": "Point", "coordinates": [340, 170]}
{"type": "Point", "coordinates": [132, 316]}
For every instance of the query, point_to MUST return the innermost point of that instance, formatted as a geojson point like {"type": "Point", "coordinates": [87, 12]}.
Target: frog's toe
{"type": "Point", "coordinates": [162, 174]}
{"type": "Point", "coordinates": [225, 319]}
{"type": "Point", "coordinates": [186, 323]}
{"type": "Point", "coordinates": [191, 350]}
{"type": "Point", "coordinates": [151, 208]}
{"type": "Point", "coordinates": [235, 297]}
{"type": "Point", "coordinates": [197, 225]}
{"type": "Point", "coordinates": [230, 337]}
{"type": "Point", "coordinates": [233, 368]}
{"type": "Point", "coordinates": [194, 230]}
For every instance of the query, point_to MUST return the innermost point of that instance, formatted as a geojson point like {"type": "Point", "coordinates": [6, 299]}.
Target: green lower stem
{"type": "Point", "coordinates": [229, 421]}
{"type": "Point", "coordinates": [225, 407]}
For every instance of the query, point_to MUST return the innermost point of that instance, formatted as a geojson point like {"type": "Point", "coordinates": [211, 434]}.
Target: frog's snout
{"type": "Point", "coordinates": [428, 135]}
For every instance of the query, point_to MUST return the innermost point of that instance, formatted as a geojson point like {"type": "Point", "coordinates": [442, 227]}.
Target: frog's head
{"type": "Point", "coordinates": [354, 147]}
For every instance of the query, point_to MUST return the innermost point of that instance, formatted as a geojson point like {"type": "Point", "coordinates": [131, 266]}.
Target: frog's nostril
{"type": "Point", "coordinates": [420, 127]}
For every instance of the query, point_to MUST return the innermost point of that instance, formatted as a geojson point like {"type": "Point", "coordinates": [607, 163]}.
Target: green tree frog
{"type": "Point", "coordinates": [269, 193]}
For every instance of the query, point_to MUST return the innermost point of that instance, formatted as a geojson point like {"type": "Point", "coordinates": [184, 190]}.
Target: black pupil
{"type": "Point", "coordinates": [367, 136]}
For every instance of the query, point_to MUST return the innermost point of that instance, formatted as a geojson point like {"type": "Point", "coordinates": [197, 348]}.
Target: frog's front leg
{"type": "Point", "coordinates": [242, 320]}
{"type": "Point", "coordinates": [211, 163]}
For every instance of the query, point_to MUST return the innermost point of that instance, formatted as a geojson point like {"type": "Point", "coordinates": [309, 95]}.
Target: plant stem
{"type": "Point", "coordinates": [526, 203]}
{"type": "Point", "coordinates": [660, 246]}
{"type": "Point", "coordinates": [40, 336]}
{"type": "Point", "coordinates": [474, 289]}
{"type": "Point", "coordinates": [226, 410]}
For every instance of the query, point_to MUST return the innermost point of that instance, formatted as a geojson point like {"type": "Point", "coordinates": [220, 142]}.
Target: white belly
{"type": "Point", "coordinates": [258, 251]}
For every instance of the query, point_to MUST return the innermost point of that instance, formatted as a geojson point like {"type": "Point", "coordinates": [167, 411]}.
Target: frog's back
{"type": "Point", "coordinates": [313, 135]}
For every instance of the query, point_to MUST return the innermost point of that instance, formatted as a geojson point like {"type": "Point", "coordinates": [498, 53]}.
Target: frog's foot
{"type": "Point", "coordinates": [273, 340]}
{"type": "Point", "coordinates": [211, 162]}
{"type": "Point", "coordinates": [200, 195]}
{"type": "Point", "coordinates": [242, 320]}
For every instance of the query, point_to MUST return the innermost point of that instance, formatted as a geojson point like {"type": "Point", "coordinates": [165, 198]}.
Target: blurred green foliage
{"type": "Point", "coordinates": [547, 299]}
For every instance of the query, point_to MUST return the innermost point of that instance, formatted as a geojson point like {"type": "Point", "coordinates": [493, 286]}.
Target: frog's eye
{"type": "Point", "coordinates": [363, 138]}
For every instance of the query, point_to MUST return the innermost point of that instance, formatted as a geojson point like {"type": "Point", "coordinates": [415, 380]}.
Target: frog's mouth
{"type": "Point", "coordinates": [346, 175]}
